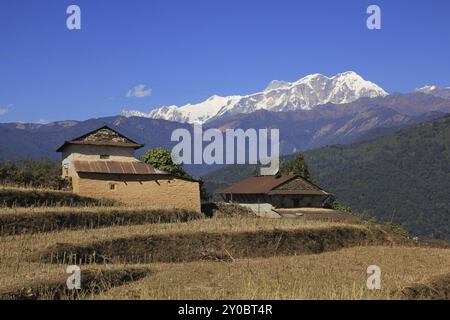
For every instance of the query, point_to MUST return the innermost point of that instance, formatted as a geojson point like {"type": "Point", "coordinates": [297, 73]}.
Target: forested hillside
{"type": "Point", "coordinates": [402, 177]}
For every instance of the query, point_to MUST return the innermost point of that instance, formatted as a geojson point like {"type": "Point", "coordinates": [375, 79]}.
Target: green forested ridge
{"type": "Point", "coordinates": [402, 177]}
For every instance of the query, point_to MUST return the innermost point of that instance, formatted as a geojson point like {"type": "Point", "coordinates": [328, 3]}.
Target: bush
{"type": "Point", "coordinates": [14, 197]}
{"type": "Point", "coordinates": [338, 206]}
{"type": "Point", "coordinates": [396, 228]}
{"type": "Point", "coordinates": [35, 173]}
{"type": "Point", "coordinates": [54, 219]}
{"type": "Point", "coordinates": [222, 209]}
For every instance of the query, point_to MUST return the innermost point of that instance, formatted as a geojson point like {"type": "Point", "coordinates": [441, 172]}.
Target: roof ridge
{"type": "Point", "coordinates": [81, 140]}
{"type": "Point", "coordinates": [268, 184]}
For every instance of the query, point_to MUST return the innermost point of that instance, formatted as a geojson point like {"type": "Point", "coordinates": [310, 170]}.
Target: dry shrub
{"type": "Point", "coordinates": [92, 282]}
{"type": "Point", "coordinates": [53, 219]}
{"type": "Point", "coordinates": [438, 288]}
{"type": "Point", "coordinates": [179, 247]}
{"type": "Point", "coordinates": [222, 210]}
{"type": "Point", "coordinates": [18, 197]}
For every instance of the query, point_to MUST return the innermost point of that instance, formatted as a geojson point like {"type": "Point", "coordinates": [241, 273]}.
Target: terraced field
{"type": "Point", "coordinates": [138, 253]}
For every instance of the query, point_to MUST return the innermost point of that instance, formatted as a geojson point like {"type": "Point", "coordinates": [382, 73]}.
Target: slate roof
{"type": "Point", "coordinates": [103, 136]}
{"type": "Point", "coordinates": [272, 185]}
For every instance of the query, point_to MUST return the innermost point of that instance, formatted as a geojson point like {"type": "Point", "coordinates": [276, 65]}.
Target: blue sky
{"type": "Point", "coordinates": [186, 51]}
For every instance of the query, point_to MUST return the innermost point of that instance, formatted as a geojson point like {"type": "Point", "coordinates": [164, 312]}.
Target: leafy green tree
{"type": "Point", "coordinates": [161, 158]}
{"type": "Point", "coordinates": [296, 165]}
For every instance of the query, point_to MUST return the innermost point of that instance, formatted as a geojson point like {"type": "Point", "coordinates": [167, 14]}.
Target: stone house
{"type": "Point", "coordinates": [102, 164]}
{"type": "Point", "coordinates": [280, 191]}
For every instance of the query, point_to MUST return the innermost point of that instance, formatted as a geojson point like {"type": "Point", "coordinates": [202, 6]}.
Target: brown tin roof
{"type": "Point", "coordinates": [115, 140]}
{"type": "Point", "coordinates": [293, 184]}
{"type": "Point", "coordinates": [116, 167]}
{"type": "Point", "coordinates": [305, 192]}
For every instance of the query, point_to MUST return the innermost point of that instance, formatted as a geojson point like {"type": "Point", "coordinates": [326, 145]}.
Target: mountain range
{"type": "Point", "coordinates": [304, 125]}
{"type": "Point", "coordinates": [436, 91]}
{"type": "Point", "coordinates": [340, 123]}
{"type": "Point", "coordinates": [279, 96]}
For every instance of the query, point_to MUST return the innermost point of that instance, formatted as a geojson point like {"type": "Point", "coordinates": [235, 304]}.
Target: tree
{"type": "Point", "coordinates": [161, 158]}
{"type": "Point", "coordinates": [297, 165]}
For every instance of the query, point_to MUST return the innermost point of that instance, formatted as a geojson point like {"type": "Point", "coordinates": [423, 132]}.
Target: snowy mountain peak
{"type": "Point", "coordinates": [304, 94]}
{"type": "Point", "coordinates": [426, 89]}
{"type": "Point", "coordinates": [277, 84]}
{"type": "Point", "coordinates": [436, 91]}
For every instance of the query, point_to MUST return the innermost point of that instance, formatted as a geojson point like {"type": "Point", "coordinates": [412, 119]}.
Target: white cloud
{"type": "Point", "coordinates": [140, 91]}
{"type": "Point", "coordinates": [5, 110]}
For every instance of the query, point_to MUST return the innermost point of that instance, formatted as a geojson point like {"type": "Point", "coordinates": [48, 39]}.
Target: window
{"type": "Point", "coordinates": [112, 186]}
{"type": "Point", "coordinates": [104, 156]}
{"type": "Point", "coordinates": [66, 170]}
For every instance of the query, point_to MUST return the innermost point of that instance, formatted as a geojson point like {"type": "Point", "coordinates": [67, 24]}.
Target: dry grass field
{"type": "Point", "coordinates": [331, 275]}
{"type": "Point", "coordinates": [140, 253]}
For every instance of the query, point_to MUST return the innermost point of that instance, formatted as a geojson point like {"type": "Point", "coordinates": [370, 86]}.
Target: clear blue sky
{"type": "Point", "coordinates": [186, 51]}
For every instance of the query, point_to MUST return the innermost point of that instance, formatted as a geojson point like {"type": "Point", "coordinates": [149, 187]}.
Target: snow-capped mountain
{"type": "Point", "coordinates": [304, 94]}
{"type": "Point", "coordinates": [436, 91]}
{"type": "Point", "coordinates": [190, 113]}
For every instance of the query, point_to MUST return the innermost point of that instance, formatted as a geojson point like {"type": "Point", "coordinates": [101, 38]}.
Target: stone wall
{"type": "Point", "coordinates": [152, 191]}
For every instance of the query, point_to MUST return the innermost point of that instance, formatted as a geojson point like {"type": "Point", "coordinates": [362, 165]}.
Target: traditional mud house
{"type": "Point", "coordinates": [281, 191]}
{"type": "Point", "coordinates": [102, 164]}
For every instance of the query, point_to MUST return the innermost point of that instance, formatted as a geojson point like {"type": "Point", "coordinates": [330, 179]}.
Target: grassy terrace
{"type": "Point", "coordinates": [330, 275]}
{"type": "Point", "coordinates": [140, 253]}
{"type": "Point", "coordinates": [17, 252]}
{"type": "Point", "coordinates": [44, 219]}
{"type": "Point", "coordinates": [19, 246]}
{"type": "Point", "coordinates": [25, 197]}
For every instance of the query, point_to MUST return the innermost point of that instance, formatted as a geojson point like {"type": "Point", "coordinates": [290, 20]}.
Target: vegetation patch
{"type": "Point", "coordinates": [333, 275]}
{"type": "Point", "coordinates": [32, 173]}
{"type": "Point", "coordinates": [223, 210]}
{"type": "Point", "coordinates": [21, 197]}
{"type": "Point", "coordinates": [438, 288]}
{"type": "Point", "coordinates": [92, 282]}
{"type": "Point", "coordinates": [179, 247]}
{"type": "Point", "coordinates": [53, 219]}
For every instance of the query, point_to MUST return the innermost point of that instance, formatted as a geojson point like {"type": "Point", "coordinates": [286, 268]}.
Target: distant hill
{"type": "Point", "coordinates": [403, 177]}
{"type": "Point", "coordinates": [436, 91]}
{"type": "Point", "coordinates": [300, 130]}
{"type": "Point", "coordinates": [40, 140]}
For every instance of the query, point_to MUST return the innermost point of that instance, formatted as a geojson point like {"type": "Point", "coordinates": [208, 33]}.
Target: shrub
{"type": "Point", "coordinates": [32, 173]}
{"type": "Point", "coordinates": [222, 209]}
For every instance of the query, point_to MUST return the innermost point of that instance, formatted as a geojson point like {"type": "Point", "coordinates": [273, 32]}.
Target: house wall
{"type": "Point", "coordinates": [92, 153]}
{"type": "Point", "coordinates": [152, 191]}
{"type": "Point", "coordinates": [296, 201]}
